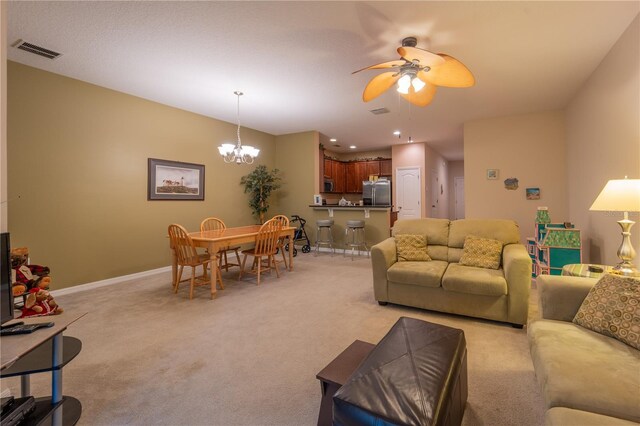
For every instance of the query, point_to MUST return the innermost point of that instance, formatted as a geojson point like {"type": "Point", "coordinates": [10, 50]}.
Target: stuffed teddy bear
{"type": "Point", "coordinates": [39, 303]}
{"type": "Point", "coordinates": [26, 277]}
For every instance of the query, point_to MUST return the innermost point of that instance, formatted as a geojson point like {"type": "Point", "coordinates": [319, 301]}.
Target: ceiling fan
{"type": "Point", "coordinates": [417, 73]}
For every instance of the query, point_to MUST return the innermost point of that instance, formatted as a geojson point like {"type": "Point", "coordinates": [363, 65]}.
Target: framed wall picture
{"type": "Point", "coordinates": [533, 193]}
{"type": "Point", "coordinates": [317, 200]}
{"type": "Point", "coordinates": [174, 180]}
{"type": "Point", "coordinates": [492, 174]}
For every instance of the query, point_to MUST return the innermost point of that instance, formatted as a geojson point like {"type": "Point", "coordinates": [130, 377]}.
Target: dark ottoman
{"type": "Point", "coordinates": [416, 375]}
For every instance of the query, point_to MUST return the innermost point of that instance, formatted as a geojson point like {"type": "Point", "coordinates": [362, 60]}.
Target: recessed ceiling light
{"type": "Point", "coordinates": [397, 133]}
{"type": "Point", "coordinates": [352, 146]}
{"type": "Point", "coordinates": [333, 140]}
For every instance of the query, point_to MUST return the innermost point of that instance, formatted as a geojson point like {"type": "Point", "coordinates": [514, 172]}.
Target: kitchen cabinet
{"type": "Point", "coordinates": [385, 168]}
{"type": "Point", "coordinates": [327, 168]}
{"type": "Point", "coordinates": [347, 177]}
{"type": "Point", "coordinates": [352, 177]}
{"type": "Point", "coordinates": [335, 170]}
{"type": "Point", "coordinates": [338, 168]}
{"type": "Point", "coordinates": [372, 168]}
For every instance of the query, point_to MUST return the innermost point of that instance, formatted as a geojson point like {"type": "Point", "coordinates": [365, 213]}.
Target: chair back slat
{"type": "Point", "coordinates": [212, 224]}
{"type": "Point", "coordinates": [267, 238]}
{"type": "Point", "coordinates": [182, 244]}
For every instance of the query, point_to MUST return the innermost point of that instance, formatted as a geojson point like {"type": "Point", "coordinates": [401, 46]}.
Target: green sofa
{"type": "Point", "coordinates": [586, 378]}
{"type": "Point", "coordinates": [444, 285]}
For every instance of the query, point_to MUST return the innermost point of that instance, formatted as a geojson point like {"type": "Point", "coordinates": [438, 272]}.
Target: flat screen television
{"type": "Point", "coordinates": [6, 296]}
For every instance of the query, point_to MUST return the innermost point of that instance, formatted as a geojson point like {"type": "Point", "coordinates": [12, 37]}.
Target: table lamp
{"type": "Point", "coordinates": [621, 195]}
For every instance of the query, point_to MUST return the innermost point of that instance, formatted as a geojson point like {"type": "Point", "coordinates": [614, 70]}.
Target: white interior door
{"type": "Point", "coordinates": [408, 192]}
{"type": "Point", "coordinates": [458, 183]}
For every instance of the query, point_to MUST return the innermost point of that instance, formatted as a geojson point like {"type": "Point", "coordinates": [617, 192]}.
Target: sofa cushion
{"type": "Point", "coordinates": [428, 274]}
{"type": "Point", "coordinates": [503, 230]}
{"type": "Point", "coordinates": [612, 308]}
{"type": "Point", "coordinates": [560, 416]}
{"type": "Point", "coordinates": [411, 247]}
{"type": "Point", "coordinates": [580, 369]}
{"type": "Point", "coordinates": [481, 252]}
{"type": "Point", "coordinates": [474, 280]}
{"type": "Point", "coordinates": [436, 230]}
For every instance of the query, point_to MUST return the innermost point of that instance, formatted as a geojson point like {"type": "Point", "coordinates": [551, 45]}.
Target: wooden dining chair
{"type": "Point", "coordinates": [187, 255]}
{"type": "Point", "coordinates": [266, 244]}
{"type": "Point", "coordinates": [214, 224]}
{"type": "Point", "coordinates": [284, 222]}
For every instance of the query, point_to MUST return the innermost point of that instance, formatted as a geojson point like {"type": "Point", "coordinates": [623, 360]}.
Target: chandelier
{"type": "Point", "coordinates": [237, 153]}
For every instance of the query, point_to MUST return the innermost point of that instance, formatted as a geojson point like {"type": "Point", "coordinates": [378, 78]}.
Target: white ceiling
{"type": "Point", "coordinates": [293, 60]}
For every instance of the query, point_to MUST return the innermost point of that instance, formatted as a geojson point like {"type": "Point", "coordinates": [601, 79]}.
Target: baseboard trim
{"type": "Point", "coordinates": [109, 281]}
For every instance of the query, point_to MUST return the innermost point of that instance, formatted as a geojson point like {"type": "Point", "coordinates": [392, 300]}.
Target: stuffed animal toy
{"type": "Point", "coordinates": [39, 303]}
{"type": "Point", "coordinates": [26, 277]}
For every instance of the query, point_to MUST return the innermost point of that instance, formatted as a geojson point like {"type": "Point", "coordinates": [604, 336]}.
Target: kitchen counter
{"type": "Point", "coordinates": [377, 218]}
{"type": "Point", "coordinates": [336, 206]}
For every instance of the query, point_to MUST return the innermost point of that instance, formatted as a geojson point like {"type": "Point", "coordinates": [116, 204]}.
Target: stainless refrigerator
{"type": "Point", "coordinates": [376, 193]}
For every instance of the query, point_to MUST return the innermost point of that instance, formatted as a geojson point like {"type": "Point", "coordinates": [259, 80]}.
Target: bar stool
{"type": "Point", "coordinates": [354, 237]}
{"type": "Point", "coordinates": [324, 234]}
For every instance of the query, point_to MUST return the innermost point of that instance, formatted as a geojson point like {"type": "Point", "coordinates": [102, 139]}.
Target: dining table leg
{"type": "Point", "coordinates": [213, 251]}
{"type": "Point", "coordinates": [291, 248]}
{"type": "Point", "coordinates": [174, 267]}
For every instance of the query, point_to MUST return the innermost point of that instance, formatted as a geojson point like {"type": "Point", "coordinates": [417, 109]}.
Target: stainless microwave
{"type": "Point", "coordinates": [328, 185]}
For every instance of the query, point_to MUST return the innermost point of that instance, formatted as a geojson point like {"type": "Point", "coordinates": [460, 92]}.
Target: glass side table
{"type": "Point", "coordinates": [582, 270]}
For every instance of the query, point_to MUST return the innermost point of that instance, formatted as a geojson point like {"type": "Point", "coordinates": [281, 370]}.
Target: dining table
{"type": "Point", "coordinates": [214, 240]}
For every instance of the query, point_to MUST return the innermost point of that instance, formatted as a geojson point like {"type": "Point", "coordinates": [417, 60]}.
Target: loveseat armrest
{"type": "Point", "coordinates": [560, 297]}
{"type": "Point", "coordinates": [383, 256]}
{"type": "Point", "coordinates": [516, 263]}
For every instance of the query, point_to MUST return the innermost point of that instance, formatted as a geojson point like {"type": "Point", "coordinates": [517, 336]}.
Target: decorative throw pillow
{"type": "Point", "coordinates": [481, 252]}
{"type": "Point", "coordinates": [612, 308]}
{"type": "Point", "coordinates": [411, 247]}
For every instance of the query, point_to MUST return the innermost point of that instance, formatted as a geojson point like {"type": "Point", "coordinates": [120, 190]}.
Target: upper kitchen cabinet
{"type": "Point", "coordinates": [385, 168]}
{"type": "Point", "coordinates": [355, 172]}
{"type": "Point", "coordinates": [372, 168]}
{"type": "Point", "coordinates": [338, 176]}
{"type": "Point", "coordinates": [334, 172]}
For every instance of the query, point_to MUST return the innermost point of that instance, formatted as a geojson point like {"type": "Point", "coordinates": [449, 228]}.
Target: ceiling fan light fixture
{"type": "Point", "coordinates": [417, 84]}
{"type": "Point", "coordinates": [404, 83]}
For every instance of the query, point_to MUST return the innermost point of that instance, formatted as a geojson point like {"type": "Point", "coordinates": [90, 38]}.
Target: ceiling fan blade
{"type": "Point", "coordinates": [379, 84]}
{"type": "Point", "coordinates": [390, 64]}
{"type": "Point", "coordinates": [423, 97]}
{"type": "Point", "coordinates": [452, 73]}
{"type": "Point", "coordinates": [424, 57]}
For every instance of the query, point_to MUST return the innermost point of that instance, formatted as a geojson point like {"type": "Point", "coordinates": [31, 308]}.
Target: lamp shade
{"type": "Point", "coordinates": [620, 195]}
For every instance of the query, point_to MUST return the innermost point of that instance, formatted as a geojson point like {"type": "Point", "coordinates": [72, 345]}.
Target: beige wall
{"type": "Point", "coordinates": [298, 160]}
{"type": "Point", "coordinates": [78, 175]}
{"type": "Point", "coordinates": [456, 169]}
{"type": "Point", "coordinates": [438, 169]}
{"type": "Point", "coordinates": [529, 147]}
{"type": "Point", "coordinates": [603, 142]}
{"type": "Point", "coordinates": [410, 155]}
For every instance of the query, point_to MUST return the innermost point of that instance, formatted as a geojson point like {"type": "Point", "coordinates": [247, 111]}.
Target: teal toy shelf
{"type": "Point", "coordinates": [554, 246]}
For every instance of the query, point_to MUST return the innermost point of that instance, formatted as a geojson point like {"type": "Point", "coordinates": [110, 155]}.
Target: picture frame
{"type": "Point", "coordinates": [532, 193]}
{"type": "Point", "coordinates": [317, 200]}
{"type": "Point", "coordinates": [174, 180]}
{"type": "Point", "coordinates": [493, 174]}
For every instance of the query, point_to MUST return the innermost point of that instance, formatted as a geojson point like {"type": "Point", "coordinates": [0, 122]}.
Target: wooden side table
{"type": "Point", "coordinates": [582, 270]}
{"type": "Point", "coordinates": [336, 373]}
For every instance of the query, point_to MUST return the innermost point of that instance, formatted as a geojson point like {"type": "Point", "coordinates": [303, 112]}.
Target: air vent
{"type": "Point", "coordinates": [38, 50]}
{"type": "Point", "coordinates": [379, 111]}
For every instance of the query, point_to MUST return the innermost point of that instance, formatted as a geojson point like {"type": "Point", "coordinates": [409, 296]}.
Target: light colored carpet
{"type": "Point", "coordinates": [250, 357]}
